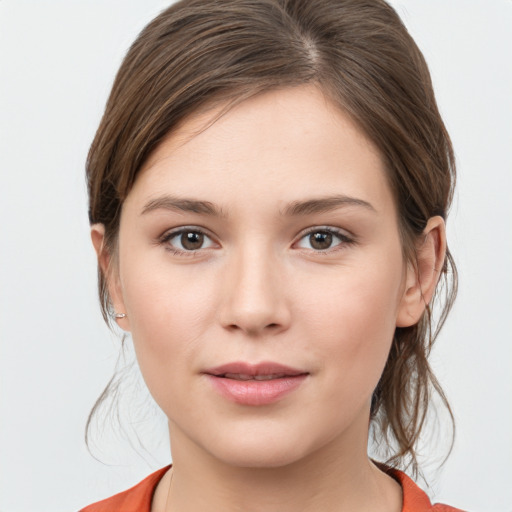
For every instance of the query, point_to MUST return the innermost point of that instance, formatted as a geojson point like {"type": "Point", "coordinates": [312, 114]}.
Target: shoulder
{"type": "Point", "coordinates": [139, 497]}
{"type": "Point", "coordinates": [414, 499]}
{"type": "Point", "coordinates": [135, 499]}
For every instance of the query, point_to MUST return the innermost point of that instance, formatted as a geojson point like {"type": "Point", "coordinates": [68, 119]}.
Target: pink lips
{"type": "Point", "coordinates": [259, 384]}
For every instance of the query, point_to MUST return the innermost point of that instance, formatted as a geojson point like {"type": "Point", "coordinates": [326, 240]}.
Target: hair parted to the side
{"type": "Point", "coordinates": [203, 52]}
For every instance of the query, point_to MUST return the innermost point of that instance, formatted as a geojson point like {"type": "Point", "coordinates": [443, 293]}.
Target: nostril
{"type": "Point", "coordinates": [253, 329]}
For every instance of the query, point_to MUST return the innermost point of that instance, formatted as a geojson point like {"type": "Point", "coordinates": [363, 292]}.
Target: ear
{"type": "Point", "coordinates": [110, 273]}
{"type": "Point", "coordinates": [422, 276]}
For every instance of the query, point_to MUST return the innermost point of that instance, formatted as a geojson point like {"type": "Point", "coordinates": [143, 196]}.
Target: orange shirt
{"type": "Point", "coordinates": [138, 498]}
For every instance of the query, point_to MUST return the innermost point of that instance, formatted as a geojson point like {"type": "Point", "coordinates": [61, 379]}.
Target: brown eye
{"type": "Point", "coordinates": [320, 240]}
{"type": "Point", "coordinates": [192, 240]}
{"type": "Point", "coordinates": [187, 240]}
{"type": "Point", "coordinates": [323, 240]}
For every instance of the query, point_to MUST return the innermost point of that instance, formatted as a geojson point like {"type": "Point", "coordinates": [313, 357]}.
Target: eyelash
{"type": "Point", "coordinates": [344, 240]}
{"type": "Point", "coordinates": [167, 237]}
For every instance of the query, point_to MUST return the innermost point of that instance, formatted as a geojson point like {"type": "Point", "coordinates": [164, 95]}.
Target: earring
{"type": "Point", "coordinates": [117, 316]}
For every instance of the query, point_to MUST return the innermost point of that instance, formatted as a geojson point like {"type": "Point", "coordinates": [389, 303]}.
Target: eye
{"type": "Point", "coordinates": [187, 240]}
{"type": "Point", "coordinates": [323, 239]}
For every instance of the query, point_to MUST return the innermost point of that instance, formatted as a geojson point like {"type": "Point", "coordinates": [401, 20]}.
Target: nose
{"type": "Point", "coordinates": [254, 298]}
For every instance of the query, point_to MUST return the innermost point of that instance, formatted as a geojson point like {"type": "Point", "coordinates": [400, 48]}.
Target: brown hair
{"type": "Point", "coordinates": [361, 56]}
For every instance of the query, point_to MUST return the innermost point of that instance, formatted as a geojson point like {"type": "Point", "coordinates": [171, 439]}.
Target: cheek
{"type": "Point", "coordinates": [356, 299]}
{"type": "Point", "coordinates": [352, 315]}
{"type": "Point", "coordinates": [168, 313]}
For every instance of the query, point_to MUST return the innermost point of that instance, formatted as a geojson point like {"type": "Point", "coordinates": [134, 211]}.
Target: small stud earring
{"type": "Point", "coordinates": [117, 316]}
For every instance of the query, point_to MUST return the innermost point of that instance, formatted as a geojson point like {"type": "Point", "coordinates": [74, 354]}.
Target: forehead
{"type": "Point", "coordinates": [279, 145]}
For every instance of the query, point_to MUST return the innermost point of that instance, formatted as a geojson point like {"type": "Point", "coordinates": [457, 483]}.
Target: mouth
{"type": "Point", "coordinates": [241, 376]}
{"type": "Point", "coordinates": [259, 384]}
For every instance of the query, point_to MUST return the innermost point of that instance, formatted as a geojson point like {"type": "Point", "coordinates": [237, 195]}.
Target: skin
{"type": "Point", "coordinates": [258, 290]}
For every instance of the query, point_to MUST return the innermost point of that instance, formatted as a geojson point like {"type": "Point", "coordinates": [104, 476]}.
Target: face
{"type": "Point", "coordinates": [260, 267]}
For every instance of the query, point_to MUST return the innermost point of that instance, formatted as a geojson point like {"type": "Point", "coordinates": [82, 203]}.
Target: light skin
{"type": "Point", "coordinates": [295, 258]}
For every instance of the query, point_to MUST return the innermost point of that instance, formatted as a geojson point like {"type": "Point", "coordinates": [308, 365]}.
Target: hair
{"type": "Point", "coordinates": [199, 53]}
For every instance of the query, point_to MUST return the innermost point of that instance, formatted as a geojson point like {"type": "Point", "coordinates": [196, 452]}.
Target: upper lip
{"type": "Point", "coordinates": [254, 370]}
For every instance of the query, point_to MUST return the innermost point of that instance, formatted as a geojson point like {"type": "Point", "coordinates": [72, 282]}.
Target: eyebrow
{"type": "Point", "coordinates": [182, 205]}
{"type": "Point", "coordinates": [324, 204]}
{"type": "Point", "coordinates": [295, 208]}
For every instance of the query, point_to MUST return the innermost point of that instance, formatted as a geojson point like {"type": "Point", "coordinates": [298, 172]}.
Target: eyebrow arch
{"type": "Point", "coordinates": [324, 204]}
{"type": "Point", "coordinates": [182, 204]}
{"type": "Point", "coordinates": [295, 208]}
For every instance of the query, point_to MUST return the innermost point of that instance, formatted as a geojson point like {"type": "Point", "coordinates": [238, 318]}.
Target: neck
{"type": "Point", "coordinates": [323, 480]}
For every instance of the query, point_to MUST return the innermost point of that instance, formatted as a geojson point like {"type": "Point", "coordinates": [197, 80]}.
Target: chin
{"type": "Point", "coordinates": [258, 457]}
{"type": "Point", "coordinates": [260, 450]}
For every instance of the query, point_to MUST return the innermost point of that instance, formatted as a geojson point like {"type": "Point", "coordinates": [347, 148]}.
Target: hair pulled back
{"type": "Point", "coordinates": [203, 52]}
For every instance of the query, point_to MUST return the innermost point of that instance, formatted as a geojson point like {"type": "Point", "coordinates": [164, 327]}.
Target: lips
{"type": "Point", "coordinates": [259, 384]}
{"type": "Point", "coordinates": [241, 376]}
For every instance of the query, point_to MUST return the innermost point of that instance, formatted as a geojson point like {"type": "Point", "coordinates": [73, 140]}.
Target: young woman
{"type": "Point", "coordinates": [268, 192]}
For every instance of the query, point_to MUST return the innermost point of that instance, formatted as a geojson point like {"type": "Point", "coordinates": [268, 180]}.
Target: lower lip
{"type": "Point", "coordinates": [256, 392]}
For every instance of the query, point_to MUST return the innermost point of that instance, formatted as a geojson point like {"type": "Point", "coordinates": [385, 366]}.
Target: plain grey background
{"type": "Point", "coordinates": [57, 62]}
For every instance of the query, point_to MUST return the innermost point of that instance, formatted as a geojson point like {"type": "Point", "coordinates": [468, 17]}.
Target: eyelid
{"type": "Point", "coordinates": [344, 237]}
{"type": "Point", "coordinates": [174, 232]}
